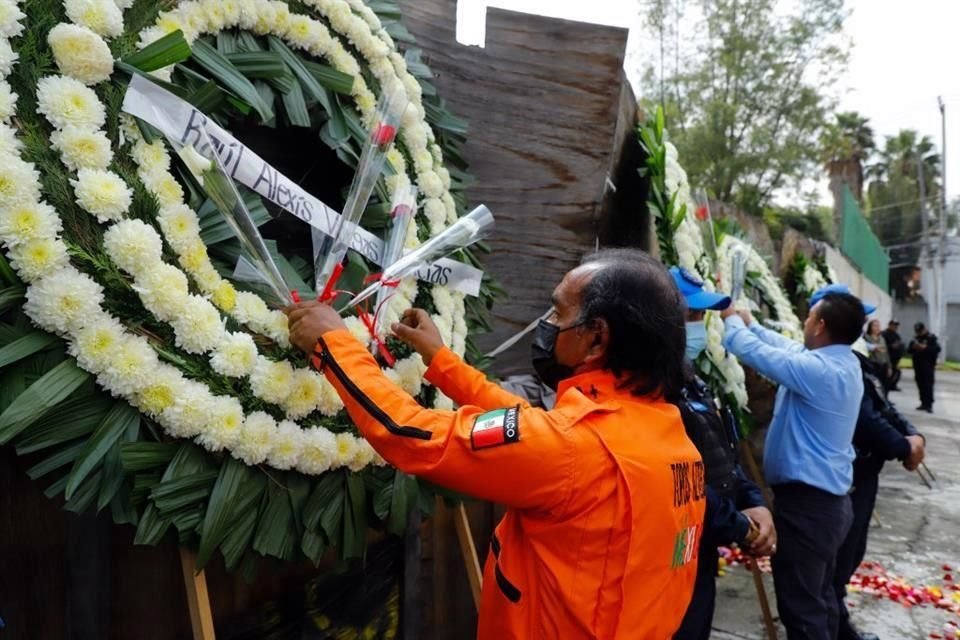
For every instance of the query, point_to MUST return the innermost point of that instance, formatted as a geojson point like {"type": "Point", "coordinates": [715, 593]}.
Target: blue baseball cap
{"type": "Point", "coordinates": [691, 288]}
{"type": "Point", "coordinates": [838, 288]}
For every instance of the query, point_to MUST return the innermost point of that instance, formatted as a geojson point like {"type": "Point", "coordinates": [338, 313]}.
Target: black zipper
{"type": "Point", "coordinates": [507, 588]}
{"type": "Point", "coordinates": [368, 405]}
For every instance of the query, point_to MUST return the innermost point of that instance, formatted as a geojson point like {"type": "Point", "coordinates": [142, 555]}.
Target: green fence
{"type": "Point", "coordinates": [860, 246]}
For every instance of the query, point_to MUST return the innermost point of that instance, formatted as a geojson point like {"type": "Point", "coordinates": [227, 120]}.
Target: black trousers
{"type": "Point", "coordinates": [863, 499]}
{"type": "Point", "coordinates": [699, 617]}
{"type": "Point", "coordinates": [924, 375]}
{"type": "Point", "coordinates": [811, 525]}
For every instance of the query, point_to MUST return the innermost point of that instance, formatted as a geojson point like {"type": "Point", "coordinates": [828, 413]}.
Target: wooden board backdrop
{"type": "Point", "coordinates": [549, 112]}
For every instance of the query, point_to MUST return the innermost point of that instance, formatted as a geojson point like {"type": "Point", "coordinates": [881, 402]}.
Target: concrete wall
{"type": "Point", "coordinates": [865, 289]}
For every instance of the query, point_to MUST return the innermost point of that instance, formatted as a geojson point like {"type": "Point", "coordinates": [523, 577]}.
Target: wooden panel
{"type": "Point", "coordinates": [542, 99]}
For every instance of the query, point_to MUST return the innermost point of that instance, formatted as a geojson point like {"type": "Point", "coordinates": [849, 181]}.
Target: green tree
{"type": "Point", "coordinates": [749, 90]}
{"type": "Point", "coordinates": [846, 145]}
{"type": "Point", "coordinates": [895, 208]}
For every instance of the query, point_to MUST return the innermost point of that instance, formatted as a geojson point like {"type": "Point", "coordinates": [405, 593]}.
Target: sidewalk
{"type": "Point", "coordinates": [919, 532]}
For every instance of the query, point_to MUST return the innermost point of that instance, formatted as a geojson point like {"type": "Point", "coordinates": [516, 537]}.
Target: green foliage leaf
{"type": "Point", "coordinates": [238, 490]}
{"type": "Point", "coordinates": [26, 346]}
{"type": "Point", "coordinates": [44, 394]}
{"type": "Point", "coordinates": [141, 456]}
{"type": "Point", "coordinates": [75, 418]}
{"type": "Point", "coordinates": [11, 296]}
{"type": "Point", "coordinates": [170, 49]}
{"type": "Point", "coordinates": [118, 420]}
{"type": "Point", "coordinates": [61, 458]}
{"type": "Point", "coordinates": [230, 77]}
{"type": "Point", "coordinates": [276, 535]}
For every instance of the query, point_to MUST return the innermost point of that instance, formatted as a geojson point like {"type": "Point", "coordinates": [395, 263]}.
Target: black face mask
{"type": "Point", "coordinates": [544, 357]}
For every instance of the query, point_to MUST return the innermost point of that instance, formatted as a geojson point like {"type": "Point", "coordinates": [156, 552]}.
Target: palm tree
{"type": "Point", "coordinates": [847, 144]}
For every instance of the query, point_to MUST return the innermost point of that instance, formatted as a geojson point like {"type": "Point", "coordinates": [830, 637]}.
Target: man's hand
{"type": "Point", "coordinates": [917, 452]}
{"type": "Point", "coordinates": [308, 321]}
{"type": "Point", "coordinates": [417, 330]}
{"type": "Point", "coordinates": [765, 543]}
{"type": "Point", "coordinates": [743, 313]}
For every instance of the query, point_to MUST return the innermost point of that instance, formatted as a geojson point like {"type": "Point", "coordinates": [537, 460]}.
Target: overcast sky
{"type": "Point", "coordinates": [904, 55]}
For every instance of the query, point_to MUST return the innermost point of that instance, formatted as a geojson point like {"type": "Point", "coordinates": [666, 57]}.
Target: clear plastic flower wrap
{"type": "Point", "coordinates": [402, 211]}
{"type": "Point", "coordinates": [329, 261]}
{"type": "Point", "coordinates": [471, 228]}
{"type": "Point", "coordinates": [208, 169]}
{"type": "Point", "coordinates": [738, 273]}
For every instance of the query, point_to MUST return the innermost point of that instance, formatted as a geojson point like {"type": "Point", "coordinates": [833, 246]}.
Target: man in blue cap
{"type": "Point", "coordinates": [808, 455]}
{"type": "Point", "coordinates": [735, 511]}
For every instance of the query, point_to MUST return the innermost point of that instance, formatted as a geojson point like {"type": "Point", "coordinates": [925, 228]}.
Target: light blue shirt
{"type": "Point", "coordinates": [810, 437]}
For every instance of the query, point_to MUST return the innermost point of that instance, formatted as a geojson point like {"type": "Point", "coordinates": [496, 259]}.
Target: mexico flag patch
{"type": "Point", "coordinates": [494, 428]}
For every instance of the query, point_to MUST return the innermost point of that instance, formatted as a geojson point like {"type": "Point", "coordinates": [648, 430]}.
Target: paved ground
{"type": "Point", "coordinates": [918, 532]}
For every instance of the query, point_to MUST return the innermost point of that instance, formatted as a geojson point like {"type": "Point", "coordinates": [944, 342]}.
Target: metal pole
{"type": "Point", "coordinates": [929, 296]}
{"type": "Point", "coordinates": [941, 297]}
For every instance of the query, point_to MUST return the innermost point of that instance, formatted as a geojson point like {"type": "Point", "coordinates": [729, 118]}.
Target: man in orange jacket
{"type": "Point", "coordinates": [605, 493]}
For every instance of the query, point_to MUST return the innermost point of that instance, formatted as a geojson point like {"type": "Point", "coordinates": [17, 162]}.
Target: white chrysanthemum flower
{"type": "Point", "coordinates": [250, 309]}
{"type": "Point", "coordinates": [207, 277]}
{"type": "Point", "coordinates": [188, 415]}
{"type": "Point", "coordinates": [164, 186]}
{"type": "Point", "coordinates": [193, 17]}
{"type": "Point", "coordinates": [37, 258]}
{"type": "Point", "coordinates": [286, 446]}
{"type": "Point", "coordinates": [164, 290]}
{"type": "Point", "coordinates": [94, 345]}
{"type": "Point", "coordinates": [436, 214]}
{"type": "Point", "coordinates": [123, 5]}
{"type": "Point", "coordinates": [256, 438]}
{"type": "Point", "coordinates": [235, 356]}
{"type": "Point", "coordinates": [200, 328]}
{"type": "Point", "coordinates": [430, 184]}
{"type": "Point", "coordinates": [216, 17]}
{"type": "Point", "coordinates": [161, 392]}
{"type": "Point", "coordinates": [442, 402]}
{"type": "Point", "coordinates": [224, 296]}
{"type": "Point", "coordinates": [150, 35]}
{"type": "Point", "coordinates": [10, 144]}
{"type": "Point", "coordinates": [29, 220]}
{"type": "Point", "coordinates": [11, 19]}
{"type": "Point", "coordinates": [8, 58]}
{"type": "Point", "coordinates": [411, 371]}
{"type": "Point", "coordinates": [134, 246]}
{"type": "Point", "coordinates": [330, 403]}
{"type": "Point", "coordinates": [356, 328]}
{"type": "Point", "coordinates": [305, 395]}
{"type": "Point", "coordinates": [82, 148]}
{"type": "Point", "coordinates": [151, 158]}
{"type": "Point", "coordinates": [64, 301]}
{"type": "Point", "coordinates": [65, 101]}
{"type": "Point", "coordinates": [19, 182]}
{"type": "Point", "coordinates": [8, 102]}
{"type": "Point", "coordinates": [231, 12]}
{"type": "Point", "coordinates": [180, 225]}
{"type": "Point", "coordinates": [346, 449]}
{"type": "Point", "coordinates": [318, 451]}
{"type": "Point", "coordinates": [224, 424]}
{"type": "Point", "coordinates": [80, 53]}
{"type": "Point", "coordinates": [131, 368]}
{"type": "Point", "coordinates": [100, 16]}
{"type": "Point", "coordinates": [272, 381]}
{"type": "Point", "coordinates": [103, 194]}
{"type": "Point", "coordinates": [363, 457]}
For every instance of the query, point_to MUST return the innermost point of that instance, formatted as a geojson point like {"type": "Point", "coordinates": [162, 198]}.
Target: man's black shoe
{"type": "Point", "coordinates": [921, 408]}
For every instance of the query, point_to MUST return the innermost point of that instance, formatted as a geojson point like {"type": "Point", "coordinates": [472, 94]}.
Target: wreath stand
{"type": "Point", "coordinates": [754, 471]}
{"type": "Point", "coordinates": [198, 599]}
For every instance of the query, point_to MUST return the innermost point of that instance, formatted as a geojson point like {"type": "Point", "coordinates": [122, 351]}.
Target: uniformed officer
{"type": "Point", "coordinates": [605, 493]}
{"type": "Point", "coordinates": [735, 507]}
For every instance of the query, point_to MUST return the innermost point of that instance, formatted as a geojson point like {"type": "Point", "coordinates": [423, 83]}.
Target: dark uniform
{"type": "Point", "coordinates": [924, 365]}
{"type": "Point", "coordinates": [713, 432]}
{"type": "Point", "coordinates": [895, 349]}
{"type": "Point", "coordinates": [880, 436]}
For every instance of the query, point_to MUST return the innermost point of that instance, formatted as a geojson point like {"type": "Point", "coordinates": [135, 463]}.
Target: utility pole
{"type": "Point", "coordinates": [941, 297]}
{"type": "Point", "coordinates": [927, 249]}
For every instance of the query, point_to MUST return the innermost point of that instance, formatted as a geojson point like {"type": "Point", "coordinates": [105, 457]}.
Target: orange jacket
{"type": "Point", "coordinates": [605, 492]}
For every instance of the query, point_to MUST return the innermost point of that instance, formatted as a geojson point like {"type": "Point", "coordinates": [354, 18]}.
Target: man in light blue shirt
{"type": "Point", "coordinates": [809, 452]}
